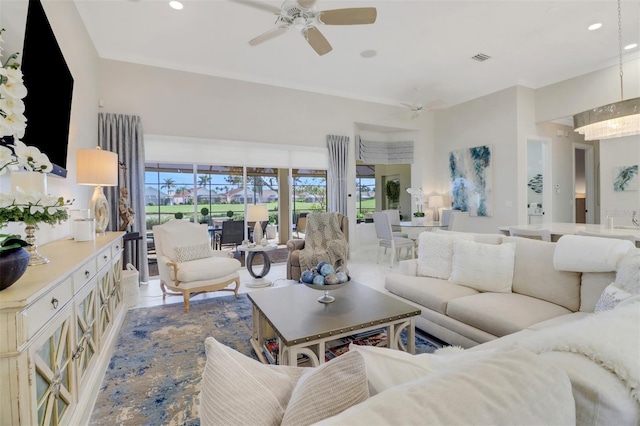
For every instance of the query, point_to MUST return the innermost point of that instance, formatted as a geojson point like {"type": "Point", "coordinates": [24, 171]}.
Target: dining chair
{"type": "Point", "coordinates": [386, 238]}
{"type": "Point", "coordinates": [301, 225]}
{"type": "Point", "coordinates": [232, 233]}
{"type": "Point", "coordinates": [394, 219]}
{"type": "Point", "coordinates": [458, 221]}
{"type": "Point", "coordinates": [445, 217]}
{"type": "Point", "coordinates": [534, 234]}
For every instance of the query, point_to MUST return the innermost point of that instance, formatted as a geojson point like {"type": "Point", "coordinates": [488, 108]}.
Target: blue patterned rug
{"type": "Point", "coordinates": [154, 375]}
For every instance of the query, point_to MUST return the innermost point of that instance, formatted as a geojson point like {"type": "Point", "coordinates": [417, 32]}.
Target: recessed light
{"type": "Point", "coordinates": [631, 46]}
{"type": "Point", "coordinates": [368, 53]}
{"type": "Point", "coordinates": [176, 5]}
{"type": "Point", "coordinates": [595, 26]}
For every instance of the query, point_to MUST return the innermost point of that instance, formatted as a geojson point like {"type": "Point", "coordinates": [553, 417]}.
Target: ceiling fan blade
{"type": "Point", "coordinates": [317, 41]}
{"type": "Point", "coordinates": [272, 33]}
{"type": "Point", "coordinates": [306, 4]}
{"type": "Point", "coordinates": [410, 106]}
{"type": "Point", "coordinates": [259, 5]}
{"type": "Point", "coordinates": [352, 16]}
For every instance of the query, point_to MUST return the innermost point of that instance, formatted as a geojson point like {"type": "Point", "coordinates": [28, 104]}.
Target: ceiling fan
{"type": "Point", "coordinates": [302, 15]}
{"type": "Point", "coordinates": [417, 109]}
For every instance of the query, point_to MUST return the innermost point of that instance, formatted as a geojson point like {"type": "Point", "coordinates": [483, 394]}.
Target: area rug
{"type": "Point", "coordinates": [154, 374]}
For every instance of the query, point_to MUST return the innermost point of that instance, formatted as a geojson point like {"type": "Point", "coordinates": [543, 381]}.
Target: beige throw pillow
{"type": "Point", "coordinates": [484, 267]}
{"type": "Point", "coordinates": [435, 252]}
{"type": "Point", "coordinates": [194, 252]}
{"type": "Point", "coordinates": [238, 390]}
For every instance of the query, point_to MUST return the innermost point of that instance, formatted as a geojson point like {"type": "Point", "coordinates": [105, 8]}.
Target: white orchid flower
{"type": "Point", "coordinates": [11, 106]}
{"type": "Point", "coordinates": [14, 89]}
{"type": "Point", "coordinates": [36, 209]}
{"type": "Point", "coordinates": [14, 75]}
{"type": "Point", "coordinates": [6, 200]}
{"type": "Point", "coordinates": [13, 123]}
{"type": "Point", "coordinates": [41, 163]}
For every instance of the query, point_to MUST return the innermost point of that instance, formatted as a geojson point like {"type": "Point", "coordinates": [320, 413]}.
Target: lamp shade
{"type": "Point", "coordinates": [257, 213]}
{"type": "Point", "coordinates": [96, 167]}
{"type": "Point", "coordinates": [436, 201]}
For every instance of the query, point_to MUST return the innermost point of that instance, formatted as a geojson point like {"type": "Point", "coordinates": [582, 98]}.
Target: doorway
{"type": "Point", "coordinates": [539, 194]}
{"type": "Point", "coordinates": [583, 183]}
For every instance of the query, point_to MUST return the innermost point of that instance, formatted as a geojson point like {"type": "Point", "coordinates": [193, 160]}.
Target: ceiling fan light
{"type": "Point", "coordinates": [609, 121]}
{"type": "Point", "coordinates": [176, 5]}
{"type": "Point", "coordinates": [595, 26]}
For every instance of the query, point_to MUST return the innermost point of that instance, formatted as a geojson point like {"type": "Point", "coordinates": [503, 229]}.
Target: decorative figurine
{"type": "Point", "coordinates": [126, 212]}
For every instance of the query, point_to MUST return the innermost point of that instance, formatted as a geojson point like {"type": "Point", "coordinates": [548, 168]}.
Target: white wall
{"type": "Point", "coordinates": [82, 59]}
{"type": "Point", "coordinates": [618, 204]}
{"type": "Point", "coordinates": [490, 120]}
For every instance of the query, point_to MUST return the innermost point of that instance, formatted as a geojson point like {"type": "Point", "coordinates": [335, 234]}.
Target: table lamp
{"type": "Point", "coordinates": [99, 168]}
{"type": "Point", "coordinates": [436, 202]}
{"type": "Point", "coordinates": [257, 213]}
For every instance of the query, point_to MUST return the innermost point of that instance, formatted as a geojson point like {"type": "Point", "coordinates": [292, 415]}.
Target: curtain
{"type": "Point", "coordinates": [122, 134]}
{"type": "Point", "coordinates": [374, 152]}
{"type": "Point", "coordinates": [337, 177]}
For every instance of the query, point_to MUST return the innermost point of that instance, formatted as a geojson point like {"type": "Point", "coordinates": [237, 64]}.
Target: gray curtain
{"type": "Point", "coordinates": [122, 134]}
{"type": "Point", "coordinates": [377, 152]}
{"type": "Point", "coordinates": [337, 178]}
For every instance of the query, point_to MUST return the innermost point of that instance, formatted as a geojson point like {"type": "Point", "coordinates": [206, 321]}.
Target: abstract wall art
{"type": "Point", "coordinates": [471, 180]}
{"type": "Point", "coordinates": [625, 178]}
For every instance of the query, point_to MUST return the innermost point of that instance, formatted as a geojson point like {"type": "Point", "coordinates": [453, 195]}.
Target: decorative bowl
{"type": "Point", "coordinates": [326, 287]}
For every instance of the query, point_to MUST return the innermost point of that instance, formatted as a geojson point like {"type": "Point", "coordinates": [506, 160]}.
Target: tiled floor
{"type": "Point", "coordinates": [362, 268]}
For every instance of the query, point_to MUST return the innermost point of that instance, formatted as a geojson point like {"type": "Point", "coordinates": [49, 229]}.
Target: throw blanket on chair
{"type": "Point", "coordinates": [324, 240]}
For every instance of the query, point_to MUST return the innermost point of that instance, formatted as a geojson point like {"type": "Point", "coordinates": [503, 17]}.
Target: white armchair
{"type": "Point", "coordinates": [187, 263]}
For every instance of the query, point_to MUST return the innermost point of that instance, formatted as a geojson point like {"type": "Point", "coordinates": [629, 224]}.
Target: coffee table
{"type": "Point", "coordinates": [303, 326]}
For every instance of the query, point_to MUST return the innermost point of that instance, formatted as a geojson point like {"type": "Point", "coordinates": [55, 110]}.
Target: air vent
{"type": "Point", "coordinates": [481, 57]}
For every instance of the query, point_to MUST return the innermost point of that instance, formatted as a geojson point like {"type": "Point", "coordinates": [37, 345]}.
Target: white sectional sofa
{"type": "Point", "coordinates": [466, 316]}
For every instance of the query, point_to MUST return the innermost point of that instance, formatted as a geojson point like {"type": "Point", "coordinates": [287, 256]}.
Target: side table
{"type": "Point", "coordinates": [258, 278]}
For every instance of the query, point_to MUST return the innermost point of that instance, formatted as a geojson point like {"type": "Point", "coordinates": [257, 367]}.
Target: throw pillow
{"type": "Point", "coordinates": [628, 274]}
{"type": "Point", "coordinates": [484, 267]}
{"type": "Point", "coordinates": [610, 298]}
{"type": "Point", "coordinates": [435, 252]}
{"type": "Point", "coordinates": [195, 252]}
{"type": "Point", "coordinates": [238, 390]}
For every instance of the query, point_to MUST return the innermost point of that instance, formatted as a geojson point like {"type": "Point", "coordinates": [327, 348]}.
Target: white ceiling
{"type": "Point", "coordinates": [424, 47]}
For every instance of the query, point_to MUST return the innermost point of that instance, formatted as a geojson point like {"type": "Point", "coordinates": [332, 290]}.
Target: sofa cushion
{"type": "Point", "coordinates": [502, 313]}
{"type": "Point", "coordinates": [476, 236]}
{"type": "Point", "coordinates": [435, 253]}
{"type": "Point", "coordinates": [535, 276]}
{"type": "Point", "coordinates": [591, 288]}
{"type": "Point", "coordinates": [200, 269]}
{"type": "Point", "coordinates": [611, 297]}
{"type": "Point", "coordinates": [238, 390]}
{"type": "Point", "coordinates": [193, 252]}
{"type": "Point", "coordinates": [514, 386]}
{"type": "Point", "coordinates": [484, 267]}
{"type": "Point", "coordinates": [628, 273]}
{"type": "Point", "coordinates": [432, 293]}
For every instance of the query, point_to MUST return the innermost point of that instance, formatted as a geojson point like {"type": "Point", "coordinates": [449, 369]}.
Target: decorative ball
{"type": "Point", "coordinates": [318, 280]}
{"type": "Point", "coordinates": [320, 265]}
{"type": "Point", "coordinates": [342, 277]}
{"type": "Point", "coordinates": [307, 277]}
{"type": "Point", "coordinates": [327, 269]}
{"type": "Point", "coordinates": [331, 279]}
{"type": "Point", "coordinates": [342, 269]}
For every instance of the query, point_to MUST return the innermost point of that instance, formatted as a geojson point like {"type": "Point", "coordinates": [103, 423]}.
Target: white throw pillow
{"type": "Point", "coordinates": [194, 252]}
{"type": "Point", "coordinates": [484, 267]}
{"type": "Point", "coordinates": [511, 387]}
{"type": "Point", "coordinates": [628, 274]}
{"type": "Point", "coordinates": [238, 390]}
{"type": "Point", "coordinates": [387, 368]}
{"type": "Point", "coordinates": [611, 297]}
{"type": "Point", "coordinates": [435, 252]}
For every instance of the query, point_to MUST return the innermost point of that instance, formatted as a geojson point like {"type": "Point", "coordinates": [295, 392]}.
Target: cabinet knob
{"type": "Point", "coordinates": [87, 273]}
{"type": "Point", "coordinates": [105, 257]}
{"type": "Point", "coordinates": [54, 303]}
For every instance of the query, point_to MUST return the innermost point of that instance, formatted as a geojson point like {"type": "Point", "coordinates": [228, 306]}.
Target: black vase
{"type": "Point", "coordinates": [13, 264]}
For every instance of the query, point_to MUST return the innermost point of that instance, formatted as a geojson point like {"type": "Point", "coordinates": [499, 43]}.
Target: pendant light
{"type": "Point", "coordinates": [614, 120]}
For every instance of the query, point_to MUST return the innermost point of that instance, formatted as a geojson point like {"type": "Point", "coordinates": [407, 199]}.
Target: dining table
{"type": "Point", "coordinates": [413, 229]}
{"type": "Point", "coordinates": [559, 229]}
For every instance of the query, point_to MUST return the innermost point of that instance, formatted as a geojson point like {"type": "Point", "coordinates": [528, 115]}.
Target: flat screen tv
{"type": "Point", "coordinates": [49, 86]}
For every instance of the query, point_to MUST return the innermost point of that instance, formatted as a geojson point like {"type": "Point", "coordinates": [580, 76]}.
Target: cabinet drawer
{"type": "Point", "coordinates": [116, 249]}
{"type": "Point", "coordinates": [104, 258]}
{"type": "Point", "coordinates": [84, 274]}
{"type": "Point", "coordinates": [38, 314]}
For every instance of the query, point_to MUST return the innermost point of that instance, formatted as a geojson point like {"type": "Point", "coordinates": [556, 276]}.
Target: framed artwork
{"type": "Point", "coordinates": [625, 178]}
{"type": "Point", "coordinates": [471, 180]}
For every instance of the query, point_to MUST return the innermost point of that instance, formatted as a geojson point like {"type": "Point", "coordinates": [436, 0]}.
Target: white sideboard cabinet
{"type": "Point", "coordinates": [58, 325]}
